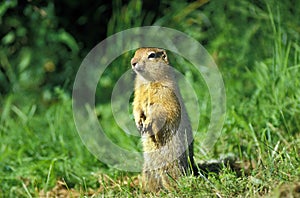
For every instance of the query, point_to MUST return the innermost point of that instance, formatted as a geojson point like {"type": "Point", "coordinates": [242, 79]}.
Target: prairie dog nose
{"type": "Point", "coordinates": [133, 62]}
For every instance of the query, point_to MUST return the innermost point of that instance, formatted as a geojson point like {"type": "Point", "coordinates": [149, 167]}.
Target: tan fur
{"type": "Point", "coordinates": [162, 120]}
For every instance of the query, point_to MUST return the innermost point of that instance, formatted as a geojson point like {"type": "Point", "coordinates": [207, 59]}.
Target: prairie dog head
{"type": "Point", "coordinates": [151, 63]}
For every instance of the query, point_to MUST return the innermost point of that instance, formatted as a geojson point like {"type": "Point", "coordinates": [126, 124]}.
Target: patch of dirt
{"type": "Point", "coordinates": [290, 190]}
{"type": "Point", "coordinates": [61, 190]}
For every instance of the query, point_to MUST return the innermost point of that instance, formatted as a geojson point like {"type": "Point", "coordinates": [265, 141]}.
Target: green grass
{"type": "Point", "coordinates": [258, 53]}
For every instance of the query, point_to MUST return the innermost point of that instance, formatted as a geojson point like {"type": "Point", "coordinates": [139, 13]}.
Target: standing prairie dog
{"type": "Point", "coordinates": [162, 120]}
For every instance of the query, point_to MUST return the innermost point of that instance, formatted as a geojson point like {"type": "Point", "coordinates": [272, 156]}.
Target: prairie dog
{"type": "Point", "coordinates": [162, 120]}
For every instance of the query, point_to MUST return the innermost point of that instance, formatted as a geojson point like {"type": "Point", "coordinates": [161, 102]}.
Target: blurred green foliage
{"type": "Point", "coordinates": [43, 43]}
{"type": "Point", "coordinates": [36, 53]}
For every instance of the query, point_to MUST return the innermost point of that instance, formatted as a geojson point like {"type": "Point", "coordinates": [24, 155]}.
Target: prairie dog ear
{"type": "Point", "coordinates": [165, 56]}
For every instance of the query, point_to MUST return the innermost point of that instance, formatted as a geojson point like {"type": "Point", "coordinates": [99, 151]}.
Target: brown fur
{"type": "Point", "coordinates": [162, 120]}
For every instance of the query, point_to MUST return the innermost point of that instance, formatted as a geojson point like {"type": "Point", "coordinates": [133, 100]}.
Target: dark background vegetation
{"type": "Point", "coordinates": [43, 43]}
{"type": "Point", "coordinates": [254, 43]}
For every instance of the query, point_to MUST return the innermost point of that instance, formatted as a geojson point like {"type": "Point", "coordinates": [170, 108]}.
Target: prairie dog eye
{"type": "Point", "coordinates": [151, 55]}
